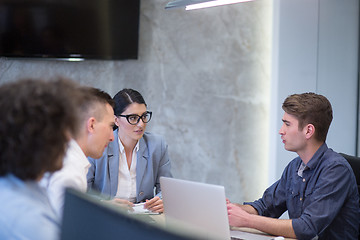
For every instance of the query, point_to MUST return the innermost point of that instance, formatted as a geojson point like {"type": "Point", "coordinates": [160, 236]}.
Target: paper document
{"type": "Point", "coordinates": [139, 208]}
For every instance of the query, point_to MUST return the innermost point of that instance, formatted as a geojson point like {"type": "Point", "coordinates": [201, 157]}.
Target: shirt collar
{"type": "Point", "coordinates": [122, 149]}
{"type": "Point", "coordinates": [75, 150]}
{"type": "Point", "coordinates": [137, 146]}
{"type": "Point", "coordinates": [316, 158]}
{"type": "Point", "coordinates": [301, 169]}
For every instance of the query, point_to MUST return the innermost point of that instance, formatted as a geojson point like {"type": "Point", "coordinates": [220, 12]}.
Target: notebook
{"type": "Point", "coordinates": [202, 206]}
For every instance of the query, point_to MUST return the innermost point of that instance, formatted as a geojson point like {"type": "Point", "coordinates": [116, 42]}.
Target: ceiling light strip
{"type": "Point", "coordinates": [213, 4]}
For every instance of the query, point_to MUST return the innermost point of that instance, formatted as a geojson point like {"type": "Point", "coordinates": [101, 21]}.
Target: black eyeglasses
{"type": "Point", "coordinates": [134, 119]}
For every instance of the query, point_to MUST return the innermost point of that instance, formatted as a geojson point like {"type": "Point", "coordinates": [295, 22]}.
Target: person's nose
{"type": "Point", "coordinates": [281, 130]}
{"type": "Point", "coordinates": [141, 123]}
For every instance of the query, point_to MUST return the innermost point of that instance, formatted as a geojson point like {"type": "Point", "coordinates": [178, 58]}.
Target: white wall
{"type": "Point", "coordinates": [315, 49]}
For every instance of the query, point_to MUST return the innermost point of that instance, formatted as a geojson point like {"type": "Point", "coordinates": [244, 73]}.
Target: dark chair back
{"type": "Point", "coordinates": [355, 165]}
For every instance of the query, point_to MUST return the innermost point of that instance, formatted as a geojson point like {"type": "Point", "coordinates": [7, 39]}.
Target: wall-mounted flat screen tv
{"type": "Point", "coordinates": [69, 29]}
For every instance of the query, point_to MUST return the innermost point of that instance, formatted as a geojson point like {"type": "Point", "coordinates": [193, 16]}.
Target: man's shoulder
{"type": "Point", "coordinates": [12, 191]}
{"type": "Point", "coordinates": [20, 213]}
{"type": "Point", "coordinates": [20, 196]}
{"type": "Point", "coordinates": [331, 161]}
{"type": "Point", "coordinates": [72, 174]}
{"type": "Point", "coordinates": [331, 157]}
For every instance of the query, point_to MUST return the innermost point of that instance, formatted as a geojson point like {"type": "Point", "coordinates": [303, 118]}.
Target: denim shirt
{"type": "Point", "coordinates": [323, 203]}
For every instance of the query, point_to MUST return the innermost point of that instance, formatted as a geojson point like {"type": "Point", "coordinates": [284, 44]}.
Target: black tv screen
{"type": "Point", "coordinates": [69, 29]}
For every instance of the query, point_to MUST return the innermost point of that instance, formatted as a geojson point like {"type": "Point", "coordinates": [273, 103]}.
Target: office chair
{"type": "Point", "coordinates": [355, 165]}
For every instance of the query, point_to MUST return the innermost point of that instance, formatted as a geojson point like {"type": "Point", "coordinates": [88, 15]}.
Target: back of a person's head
{"type": "Point", "coordinates": [90, 102]}
{"type": "Point", "coordinates": [36, 118]}
{"type": "Point", "coordinates": [97, 95]}
{"type": "Point", "coordinates": [310, 108]}
{"type": "Point", "coordinates": [124, 98]}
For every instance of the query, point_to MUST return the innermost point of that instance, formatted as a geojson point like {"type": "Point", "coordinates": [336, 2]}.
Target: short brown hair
{"type": "Point", "coordinates": [310, 108]}
{"type": "Point", "coordinates": [90, 102]}
{"type": "Point", "coordinates": [36, 117]}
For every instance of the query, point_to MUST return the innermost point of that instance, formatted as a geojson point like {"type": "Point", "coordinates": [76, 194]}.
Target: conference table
{"type": "Point", "coordinates": [160, 220]}
{"type": "Point", "coordinates": [260, 233]}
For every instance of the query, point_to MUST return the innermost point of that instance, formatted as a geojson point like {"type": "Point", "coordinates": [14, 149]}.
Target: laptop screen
{"type": "Point", "coordinates": [197, 204]}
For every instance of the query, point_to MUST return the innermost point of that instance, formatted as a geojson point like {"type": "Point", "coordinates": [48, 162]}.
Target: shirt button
{"type": "Point", "coordinates": [141, 193]}
{"type": "Point", "coordinates": [301, 199]}
{"type": "Point", "coordinates": [304, 180]}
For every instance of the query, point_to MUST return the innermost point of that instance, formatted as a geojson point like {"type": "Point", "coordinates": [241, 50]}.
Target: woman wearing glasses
{"type": "Point", "coordinates": [133, 163]}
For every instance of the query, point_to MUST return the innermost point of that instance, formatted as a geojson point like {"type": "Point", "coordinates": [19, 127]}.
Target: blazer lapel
{"type": "Point", "coordinates": [113, 158]}
{"type": "Point", "coordinates": [141, 165]}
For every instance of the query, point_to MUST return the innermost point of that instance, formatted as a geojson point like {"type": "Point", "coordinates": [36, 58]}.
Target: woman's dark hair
{"type": "Point", "coordinates": [126, 97]}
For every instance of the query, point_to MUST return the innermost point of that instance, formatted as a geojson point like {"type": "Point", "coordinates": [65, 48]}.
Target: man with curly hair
{"type": "Point", "coordinates": [36, 119]}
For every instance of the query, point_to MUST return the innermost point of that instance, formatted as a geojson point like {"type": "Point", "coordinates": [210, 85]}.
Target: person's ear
{"type": "Point", "coordinates": [309, 130]}
{"type": "Point", "coordinates": [117, 119]}
{"type": "Point", "coordinates": [90, 126]}
{"type": "Point", "coordinates": [69, 134]}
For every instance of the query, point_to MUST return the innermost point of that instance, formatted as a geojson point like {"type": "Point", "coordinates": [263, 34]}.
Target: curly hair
{"type": "Point", "coordinates": [310, 108]}
{"type": "Point", "coordinates": [36, 118]}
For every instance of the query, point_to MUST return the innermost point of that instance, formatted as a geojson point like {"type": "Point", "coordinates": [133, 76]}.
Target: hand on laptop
{"type": "Point", "coordinates": [155, 205]}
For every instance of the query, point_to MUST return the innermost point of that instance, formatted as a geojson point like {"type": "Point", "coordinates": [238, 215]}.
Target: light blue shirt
{"type": "Point", "coordinates": [25, 211]}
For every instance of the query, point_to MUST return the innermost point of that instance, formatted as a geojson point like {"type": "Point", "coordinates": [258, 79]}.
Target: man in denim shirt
{"type": "Point", "coordinates": [318, 188]}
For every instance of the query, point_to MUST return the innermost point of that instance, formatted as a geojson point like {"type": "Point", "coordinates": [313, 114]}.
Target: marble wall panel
{"type": "Point", "coordinates": [205, 74]}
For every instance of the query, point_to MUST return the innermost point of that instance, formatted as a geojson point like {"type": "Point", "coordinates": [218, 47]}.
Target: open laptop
{"type": "Point", "coordinates": [202, 206]}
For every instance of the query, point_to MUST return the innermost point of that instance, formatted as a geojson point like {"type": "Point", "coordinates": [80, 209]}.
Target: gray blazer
{"type": "Point", "coordinates": [152, 163]}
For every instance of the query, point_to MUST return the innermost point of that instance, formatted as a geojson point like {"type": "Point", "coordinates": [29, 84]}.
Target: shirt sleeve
{"type": "Point", "coordinates": [273, 202]}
